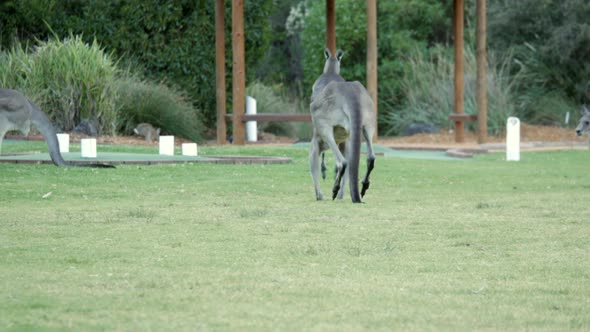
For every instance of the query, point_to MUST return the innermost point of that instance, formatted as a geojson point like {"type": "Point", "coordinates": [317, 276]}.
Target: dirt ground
{"type": "Point", "coordinates": [529, 133]}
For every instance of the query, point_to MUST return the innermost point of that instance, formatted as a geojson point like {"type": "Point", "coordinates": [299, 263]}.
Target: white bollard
{"type": "Point", "coordinates": [189, 149]}
{"type": "Point", "coordinates": [64, 142]}
{"type": "Point", "coordinates": [513, 139]}
{"type": "Point", "coordinates": [88, 146]}
{"type": "Point", "coordinates": [251, 126]}
{"type": "Point", "coordinates": [167, 145]}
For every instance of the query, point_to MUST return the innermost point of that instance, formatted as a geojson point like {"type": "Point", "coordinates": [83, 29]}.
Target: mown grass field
{"type": "Point", "coordinates": [471, 245]}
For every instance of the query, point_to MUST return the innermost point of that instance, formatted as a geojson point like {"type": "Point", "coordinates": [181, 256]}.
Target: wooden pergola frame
{"type": "Point", "coordinates": [239, 119]}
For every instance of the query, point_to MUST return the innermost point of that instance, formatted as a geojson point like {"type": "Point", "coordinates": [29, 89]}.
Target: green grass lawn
{"type": "Point", "coordinates": [482, 244]}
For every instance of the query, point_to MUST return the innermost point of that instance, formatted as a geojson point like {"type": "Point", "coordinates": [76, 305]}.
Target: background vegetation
{"type": "Point", "coordinates": [539, 48]}
{"type": "Point", "coordinates": [74, 81]}
{"type": "Point", "coordinates": [169, 41]}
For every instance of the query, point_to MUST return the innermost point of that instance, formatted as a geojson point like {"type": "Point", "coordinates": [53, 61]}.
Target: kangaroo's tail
{"type": "Point", "coordinates": [43, 124]}
{"type": "Point", "coordinates": [354, 152]}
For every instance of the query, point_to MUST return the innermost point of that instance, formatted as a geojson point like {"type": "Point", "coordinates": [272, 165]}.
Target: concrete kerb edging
{"type": "Point", "coordinates": [526, 146]}
{"type": "Point", "coordinates": [470, 150]}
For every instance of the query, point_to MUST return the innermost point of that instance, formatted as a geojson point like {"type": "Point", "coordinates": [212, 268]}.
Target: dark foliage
{"type": "Point", "coordinates": [551, 38]}
{"type": "Point", "coordinates": [173, 41]}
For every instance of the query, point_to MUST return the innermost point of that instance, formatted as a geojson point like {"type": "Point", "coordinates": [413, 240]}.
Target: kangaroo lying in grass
{"type": "Point", "coordinates": [17, 112]}
{"type": "Point", "coordinates": [148, 131]}
{"type": "Point", "coordinates": [341, 111]}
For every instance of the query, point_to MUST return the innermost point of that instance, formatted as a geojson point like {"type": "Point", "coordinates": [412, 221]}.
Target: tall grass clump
{"type": "Point", "coordinates": [15, 67]}
{"type": "Point", "coordinates": [273, 99]}
{"type": "Point", "coordinates": [69, 79]}
{"type": "Point", "coordinates": [155, 103]}
{"type": "Point", "coordinates": [78, 79]}
{"type": "Point", "coordinates": [538, 100]}
{"type": "Point", "coordinates": [428, 88]}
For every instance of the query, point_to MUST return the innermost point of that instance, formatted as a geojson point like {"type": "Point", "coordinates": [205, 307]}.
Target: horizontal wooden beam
{"type": "Point", "coordinates": [462, 117]}
{"type": "Point", "coordinates": [278, 117]}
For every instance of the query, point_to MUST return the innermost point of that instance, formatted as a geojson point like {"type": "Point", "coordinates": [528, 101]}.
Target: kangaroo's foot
{"type": "Point", "coordinates": [365, 187]}
{"type": "Point", "coordinates": [319, 196]}
{"type": "Point", "coordinates": [336, 187]}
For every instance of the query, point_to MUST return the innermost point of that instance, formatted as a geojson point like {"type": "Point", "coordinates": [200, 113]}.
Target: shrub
{"type": "Point", "coordinates": [78, 80]}
{"type": "Point", "coordinates": [15, 66]}
{"type": "Point", "coordinates": [162, 106]}
{"type": "Point", "coordinates": [557, 33]}
{"type": "Point", "coordinates": [429, 91]}
{"type": "Point", "coordinates": [71, 80]}
{"type": "Point", "coordinates": [273, 99]}
{"type": "Point", "coordinates": [172, 40]}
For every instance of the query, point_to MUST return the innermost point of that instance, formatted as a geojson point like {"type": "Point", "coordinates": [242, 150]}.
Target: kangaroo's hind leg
{"type": "Point", "coordinates": [343, 149]}
{"type": "Point", "coordinates": [324, 169]}
{"type": "Point", "coordinates": [314, 166]}
{"type": "Point", "coordinates": [327, 136]}
{"type": "Point", "coordinates": [368, 134]}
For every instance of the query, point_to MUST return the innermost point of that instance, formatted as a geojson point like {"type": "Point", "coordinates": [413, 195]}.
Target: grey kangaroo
{"type": "Point", "coordinates": [341, 112]}
{"type": "Point", "coordinates": [148, 131]}
{"type": "Point", "coordinates": [331, 74]}
{"type": "Point", "coordinates": [17, 112]}
{"type": "Point", "coordinates": [584, 124]}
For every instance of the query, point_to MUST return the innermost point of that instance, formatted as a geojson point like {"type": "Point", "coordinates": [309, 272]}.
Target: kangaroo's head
{"type": "Point", "coordinates": [332, 65]}
{"type": "Point", "coordinates": [584, 124]}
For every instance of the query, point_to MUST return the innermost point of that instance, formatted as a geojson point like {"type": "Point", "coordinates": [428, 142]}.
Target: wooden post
{"type": "Point", "coordinates": [238, 72]}
{"type": "Point", "coordinates": [372, 55]}
{"type": "Point", "coordinates": [331, 26]}
{"type": "Point", "coordinates": [220, 70]}
{"type": "Point", "coordinates": [459, 79]}
{"type": "Point", "coordinates": [482, 99]}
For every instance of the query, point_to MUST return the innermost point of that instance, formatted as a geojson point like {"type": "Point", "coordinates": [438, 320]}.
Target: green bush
{"type": "Point", "coordinates": [69, 79]}
{"type": "Point", "coordinates": [15, 67]}
{"type": "Point", "coordinates": [554, 36]}
{"type": "Point", "coordinates": [173, 40]}
{"type": "Point", "coordinates": [273, 99]}
{"type": "Point", "coordinates": [163, 107]}
{"type": "Point", "coordinates": [429, 91]}
{"type": "Point", "coordinates": [78, 80]}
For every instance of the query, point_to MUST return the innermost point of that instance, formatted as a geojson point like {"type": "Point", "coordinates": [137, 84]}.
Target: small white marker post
{"type": "Point", "coordinates": [88, 146]}
{"type": "Point", "coordinates": [167, 145]}
{"type": "Point", "coordinates": [189, 149]}
{"type": "Point", "coordinates": [513, 139]}
{"type": "Point", "coordinates": [63, 141]}
{"type": "Point", "coordinates": [251, 126]}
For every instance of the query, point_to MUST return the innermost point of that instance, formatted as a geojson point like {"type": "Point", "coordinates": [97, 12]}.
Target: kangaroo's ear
{"type": "Point", "coordinates": [327, 53]}
{"type": "Point", "coordinates": [584, 110]}
{"type": "Point", "coordinates": [339, 54]}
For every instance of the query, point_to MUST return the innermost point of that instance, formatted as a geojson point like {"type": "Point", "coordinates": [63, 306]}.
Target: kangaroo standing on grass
{"type": "Point", "coordinates": [584, 123]}
{"type": "Point", "coordinates": [341, 111]}
{"type": "Point", "coordinates": [148, 131]}
{"type": "Point", "coordinates": [18, 113]}
{"type": "Point", "coordinates": [331, 74]}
